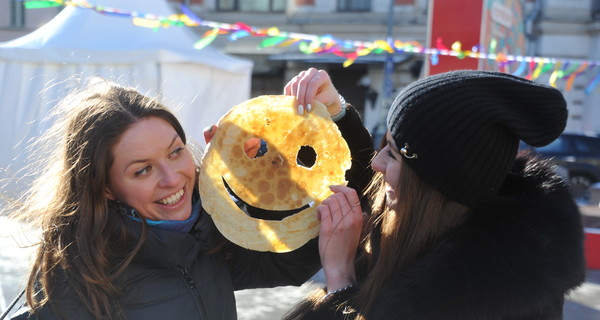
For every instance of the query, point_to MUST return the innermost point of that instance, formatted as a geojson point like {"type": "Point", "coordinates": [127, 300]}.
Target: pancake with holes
{"type": "Point", "coordinates": [267, 168]}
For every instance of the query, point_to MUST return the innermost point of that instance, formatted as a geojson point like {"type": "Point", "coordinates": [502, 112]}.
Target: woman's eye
{"type": "Point", "coordinates": [142, 171]}
{"type": "Point", "coordinates": [177, 151]}
{"type": "Point", "coordinates": [389, 152]}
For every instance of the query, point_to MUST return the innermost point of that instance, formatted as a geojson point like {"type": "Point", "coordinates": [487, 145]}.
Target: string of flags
{"type": "Point", "coordinates": [529, 67]}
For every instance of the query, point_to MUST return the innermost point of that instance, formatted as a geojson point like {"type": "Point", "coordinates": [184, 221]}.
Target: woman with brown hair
{"type": "Point", "coordinates": [460, 225]}
{"type": "Point", "coordinates": [124, 234]}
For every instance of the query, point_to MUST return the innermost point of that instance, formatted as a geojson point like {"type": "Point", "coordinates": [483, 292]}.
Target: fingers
{"type": "Point", "coordinates": [321, 215]}
{"type": "Point", "coordinates": [340, 211]}
{"type": "Point", "coordinates": [311, 85]}
{"type": "Point", "coordinates": [251, 147]}
{"type": "Point", "coordinates": [209, 133]}
{"type": "Point", "coordinates": [341, 225]}
{"type": "Point", "coordinates": [351, 199]}
{"type": "Point", "coordinates": [298, 87]}
{"type": "Point", "coordinates": [334, 208]}
{"type": "Point", "coordinates": [307, 92]}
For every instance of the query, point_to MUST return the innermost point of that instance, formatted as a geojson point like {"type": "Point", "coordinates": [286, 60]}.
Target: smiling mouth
{"type": "Point", "coordinates": [259, 213]}
{"type": "Point", "coordinates": [172, 199]}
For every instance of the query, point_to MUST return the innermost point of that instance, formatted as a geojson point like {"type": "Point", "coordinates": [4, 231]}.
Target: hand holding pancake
{"type": "Point", "coordinates": [339, 234]}
{"type": "Point", "coordinates": [311, 85]}
{"type": "Point", "coordinates": [282, 189]}
{"type": "Point", "coordinates": [209, 133]}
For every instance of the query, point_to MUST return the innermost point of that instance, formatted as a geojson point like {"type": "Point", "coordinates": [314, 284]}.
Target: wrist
{"type": "Point", "coordinates": [341, 280]}
{"type": "Point", "coordinates": [341, 112]}
{"type": "Point", "coordinates": [329, 293]}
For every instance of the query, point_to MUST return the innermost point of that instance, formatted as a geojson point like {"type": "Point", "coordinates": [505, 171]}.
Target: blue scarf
{"type": "Point", "coordinates": [175, 225]}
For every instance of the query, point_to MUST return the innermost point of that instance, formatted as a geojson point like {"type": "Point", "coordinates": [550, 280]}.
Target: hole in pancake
{"type": "Point", "coordinates": [259, 213]}
{"type": "Point", "coordinates": [306, 157]}
{"type": "Point", "coordinates": [255, 148]}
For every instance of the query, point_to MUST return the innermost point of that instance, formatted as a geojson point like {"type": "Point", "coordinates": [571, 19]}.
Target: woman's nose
{"type": "Point", "coordinates": [169, 176]}
{"type": "Point", "coordinates": [378, 164]}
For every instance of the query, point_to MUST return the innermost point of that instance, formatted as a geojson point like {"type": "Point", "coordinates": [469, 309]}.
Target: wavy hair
{"type": "Point", "coordinates": [397, 236]}
{"type": "Point", "coordinates": [84, 239]}
{"type": "Point", "coordinates": [393, 237]}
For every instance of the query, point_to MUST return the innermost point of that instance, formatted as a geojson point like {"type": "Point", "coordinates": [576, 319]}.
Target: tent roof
{"type": "Point", "coordinates": [79, 35]}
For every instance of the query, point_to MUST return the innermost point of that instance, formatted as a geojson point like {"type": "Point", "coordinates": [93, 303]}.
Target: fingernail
{"type": "Point", "coordinates": [308, 107]}
{"type": "Point", "coordinates": [300, 109]}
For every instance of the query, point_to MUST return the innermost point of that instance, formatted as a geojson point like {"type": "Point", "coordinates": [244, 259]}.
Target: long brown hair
{"type": "Point", "coordinates": [84, 239]}
{"type": "Point", "coordinates": [397, 236]}
{"type": "Point", "coordinates": [394, 237]}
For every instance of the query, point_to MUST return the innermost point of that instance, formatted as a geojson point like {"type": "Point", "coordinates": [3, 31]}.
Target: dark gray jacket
{"type": "Point", "coordinates": [514, 259]}
{"type": "Point", "coordinates": [173, 276]}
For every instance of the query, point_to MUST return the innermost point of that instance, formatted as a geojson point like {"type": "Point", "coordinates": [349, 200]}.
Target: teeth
{"type": "Point", "coordinates": [172, 199]}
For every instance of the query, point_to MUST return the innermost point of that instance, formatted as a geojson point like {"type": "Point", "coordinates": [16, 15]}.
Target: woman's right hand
{"type": "Point", "coordinates": [341, 225]}
{"type": "Point", "coordinates": [311, 85]}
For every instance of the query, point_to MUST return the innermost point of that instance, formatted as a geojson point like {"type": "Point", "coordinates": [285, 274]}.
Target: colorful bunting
{"type": "Point", "coordinates": [208, 38]}
{"type": "Point", "coordinates": [351, 50]}
{"type": "Point", "coordinates": [42, 4]}
{"type": "Point", "coordinates": [592, 84]}
{"type": "Point", "coordinates": [555, 74]}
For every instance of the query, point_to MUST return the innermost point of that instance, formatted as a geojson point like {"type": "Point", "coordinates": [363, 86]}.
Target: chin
{"type": "Point", "coordinates": [184, 216]}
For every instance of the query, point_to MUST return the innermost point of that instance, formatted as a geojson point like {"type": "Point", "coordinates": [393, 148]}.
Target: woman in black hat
{"type": "Point", "coordinates": [459, 226]}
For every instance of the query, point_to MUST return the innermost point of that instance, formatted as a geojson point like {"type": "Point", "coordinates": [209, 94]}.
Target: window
{"type": "Point", "coordinates": [354, 5]}
{"type": "Point", "coordinates": [187, 2]}
{"type": "Point", "coordinates": [587, 145]}
{"type": "Point", "coordinates": [251, 5]}
{"type": "Point", "coordinates": [560, 145]}
{"type": "Point", "coordinates": [17, 14]}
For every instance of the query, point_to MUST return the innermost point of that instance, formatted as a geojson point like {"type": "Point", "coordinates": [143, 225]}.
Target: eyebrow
{"type": "Point", "coordinates": [391, 144]}
{"type": "Point", "coordinates": [146, 160]}
{"type": "Point", "coordinates": [393, 148]}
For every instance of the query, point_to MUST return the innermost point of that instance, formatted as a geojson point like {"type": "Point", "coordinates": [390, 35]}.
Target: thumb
{"type": "Point", "coordinates": [209, 133]}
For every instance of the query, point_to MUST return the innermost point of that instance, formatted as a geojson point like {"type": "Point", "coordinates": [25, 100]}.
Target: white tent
{"type": "Point", "coordinates": [37, 70]}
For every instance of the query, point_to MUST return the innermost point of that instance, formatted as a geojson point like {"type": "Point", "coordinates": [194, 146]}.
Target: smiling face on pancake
{"type": "Point", "coordinates": [300, 157]}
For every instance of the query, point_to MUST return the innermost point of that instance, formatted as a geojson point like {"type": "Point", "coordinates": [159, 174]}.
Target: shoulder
{"type": "Point", "coordinates": [516, 255]}
{"type": "Point", "coordinates": [64, 310]}
{"type": "Point", "coordinates": [23, 314]}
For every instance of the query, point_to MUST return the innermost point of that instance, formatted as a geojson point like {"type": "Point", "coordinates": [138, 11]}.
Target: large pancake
{"type": "Point", "coordinates": [273, 181]}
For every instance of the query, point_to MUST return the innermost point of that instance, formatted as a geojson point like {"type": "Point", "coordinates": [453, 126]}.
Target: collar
{"type": "Point", "coordinates": [175, 225]}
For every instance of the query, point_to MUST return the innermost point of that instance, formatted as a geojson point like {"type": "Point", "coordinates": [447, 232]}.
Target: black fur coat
{"type": "Point", "coordinates": [515, 258]}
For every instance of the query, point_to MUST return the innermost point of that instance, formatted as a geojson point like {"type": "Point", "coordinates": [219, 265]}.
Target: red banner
{"type": "Point", "coordinates": [453, 21]}
{"type": "Point", "coordinates": [487, 26]}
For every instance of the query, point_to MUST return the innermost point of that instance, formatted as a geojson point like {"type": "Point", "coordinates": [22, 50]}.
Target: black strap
{"type": "Point", "coordinates": [12, 305]}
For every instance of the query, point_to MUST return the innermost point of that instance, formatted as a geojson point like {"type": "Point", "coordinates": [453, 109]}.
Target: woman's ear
{"type": "Point", "coordinates": [109, 194]}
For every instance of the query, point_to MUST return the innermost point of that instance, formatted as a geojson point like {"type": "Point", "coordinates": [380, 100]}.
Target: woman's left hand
{"type": "Point", "coordinates": [250, 147]}
{"type": "Point", "coordinates": [311, 85]}
{"type": "Point", "coordinates": [340, 230]}
{"type": "Point", "coordinates": [209, 132]}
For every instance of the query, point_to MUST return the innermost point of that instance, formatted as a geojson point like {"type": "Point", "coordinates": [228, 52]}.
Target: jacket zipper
{"type": "Point", "coordinates": [194, 288]}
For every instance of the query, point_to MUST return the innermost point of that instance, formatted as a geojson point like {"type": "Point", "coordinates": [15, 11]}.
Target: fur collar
{"type": "Point", "coordinates": [515, 258]}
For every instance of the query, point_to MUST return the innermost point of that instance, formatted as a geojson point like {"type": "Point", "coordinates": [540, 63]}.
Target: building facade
{"type": "Point", "coordinates": [16, 21]}
{"type": "Point", "coordinates": [563, 29]}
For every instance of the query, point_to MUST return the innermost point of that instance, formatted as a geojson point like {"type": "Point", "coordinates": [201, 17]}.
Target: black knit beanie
{"type": "Point", "coordinates": [460, 130]}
